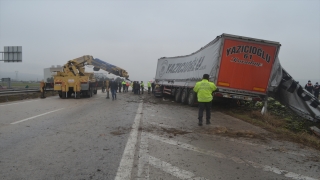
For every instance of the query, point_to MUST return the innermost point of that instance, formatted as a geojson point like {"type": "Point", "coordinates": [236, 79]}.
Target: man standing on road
{"type": "Point", "coordinates": [204, 91]}
{"type": "Point", "coordinates": [127, 86]}
{"type": "Point", "coordinates": [119, 86]}
{"type": "Point", "coordinates": [149, 86]}
{"type": "Point", "coordinates": [309, 87]}
{"type": "Point", "coordinates": [142, 87]}
{"type": "Point", "coordinates": [113, 86]}
{"type": "Point", "coordinates": [316, 90]}
{"type": "Point", "coordinates": [152, 86]}
{"type": "Point", "coordinates": [124, 86]}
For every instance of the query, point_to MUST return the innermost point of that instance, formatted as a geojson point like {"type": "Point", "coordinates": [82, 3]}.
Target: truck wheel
{"type": "Point", "coordinates": [184, 96]}
{"type": "Point", "coordinates": [69, 94]}
{"type": "Point", "coordinates": [90, 92]}
{"type": "Point", "coordinates": [63, 95]}
{"type": "Point", "coordinates": [177, 97]}
{"type": "Point", "coordinates": [60, 94]}
{"type": "Point", "coordinates": [192, 98]}
{"type": "Point", "coordinates": [77, 95]}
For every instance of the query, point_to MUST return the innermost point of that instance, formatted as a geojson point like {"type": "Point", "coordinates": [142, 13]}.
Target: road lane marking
{"type": "Point", "coordinates": [143, 165]}
{"type": "Point", "coordinates": [235, 159]}
{"type": "Point", "coordinates": [18, 103]}
{"type": "Point", "coordinates": [126, 163]}
{"type": "Point", "coordinates": [173, 170]}
{"type": "Point", "coordinates": [36, 116]}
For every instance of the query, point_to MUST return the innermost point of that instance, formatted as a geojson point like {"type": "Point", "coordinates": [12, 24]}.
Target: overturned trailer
{"type": "Point", "coordinates": [242, 68]}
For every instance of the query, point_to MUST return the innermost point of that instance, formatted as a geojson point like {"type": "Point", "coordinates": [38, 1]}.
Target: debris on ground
{"type": "Point", "coordinates": [315, 130]}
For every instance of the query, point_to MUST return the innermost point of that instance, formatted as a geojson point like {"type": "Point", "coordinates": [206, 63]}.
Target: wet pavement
{"type": "Point", "coordinates": [173, 146]}
{"type": "Point", "coordinates": [139, 137]}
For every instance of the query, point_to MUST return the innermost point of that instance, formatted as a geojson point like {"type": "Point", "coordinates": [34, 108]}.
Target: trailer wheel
{"type": "Point", "coordinates": [177, 97]}
{"type": "Point", "coordinates": [184, 96]}
{"type": "Point", "coordinates": [173, 92]}
{"type": "Point", "coordinates": [192, 98]}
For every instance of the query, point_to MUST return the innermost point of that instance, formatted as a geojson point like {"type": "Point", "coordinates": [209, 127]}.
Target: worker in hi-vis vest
{"type": "Point", "coordinates": [142, 87]}
{"type": "Point", "coordinates": [149, 87]}
{"type": "Point", "coordinates": [204, 90]}
{"type": "Point", "coordinates": [124, 86]}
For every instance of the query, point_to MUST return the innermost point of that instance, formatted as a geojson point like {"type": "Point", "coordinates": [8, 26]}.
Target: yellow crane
{"type": "Point", "coordinates": [74, 80]}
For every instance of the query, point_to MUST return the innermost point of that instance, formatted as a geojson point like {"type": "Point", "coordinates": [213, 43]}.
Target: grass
{"type": "Point", "coordinates": [280, 120]}
{"type": "Point", "coordinates": [22, 84]}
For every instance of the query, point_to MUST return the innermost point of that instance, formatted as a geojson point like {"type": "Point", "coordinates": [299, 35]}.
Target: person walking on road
{"type": "Point", "coordinates": [316, 89]}
{"type": "Point", "coordinates": [136, 87]}
{"type": "Point", "coordinates": [113, 87]}
{"type": "Point", "coordinates": [204, 91]}
{"type": "Point", "coordinates": [309, 87]}
{"type": "Point", "coordinates": [124, 87]}
{"type": "Point", "coordinates": [127, 86]}
{"type": "Point", "coordinates": [152, 86]}
{"type": "Point", "coordinates": [132, 85]}
{"type": "Point", "coordinates": [149, 87]}
{"type": "Point", "coordinates": [119, 86]}
{"type": "Point", "coordinates": [142, 87]}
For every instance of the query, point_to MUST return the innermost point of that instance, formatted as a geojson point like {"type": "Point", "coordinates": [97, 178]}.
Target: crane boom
{"type": "Point", "coordinates": [77, 66]}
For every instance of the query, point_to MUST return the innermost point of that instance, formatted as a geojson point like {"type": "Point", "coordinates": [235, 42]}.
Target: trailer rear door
{"type": "Point", "coordinates": [246, 65]}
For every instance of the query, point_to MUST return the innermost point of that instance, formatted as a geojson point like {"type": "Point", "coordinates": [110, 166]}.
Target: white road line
{"type": "Point", "coordinates": [143, 165]}
{"type": "Point", "coordinates": [18, 103]}
{"type": "Point", "coordinates": [186, 146]}
{"type": "Point", "coordinates": [126, 163]}
{"type": "Point", "coordinates": [173, 170]}
{"type": "Point", "coordinates": [35, 116]}
{"type": "Point", "coordinates": [235, 159]}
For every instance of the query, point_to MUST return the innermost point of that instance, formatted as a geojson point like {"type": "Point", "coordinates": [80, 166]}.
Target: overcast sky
{"type": "Point", "coordinates": [135, 34]}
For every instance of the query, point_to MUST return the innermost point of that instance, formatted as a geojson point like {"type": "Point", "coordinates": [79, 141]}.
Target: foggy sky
{"type": "Point", "coordinates": [135, 34]}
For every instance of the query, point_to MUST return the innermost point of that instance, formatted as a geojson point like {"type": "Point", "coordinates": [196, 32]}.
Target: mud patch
{"type": "Point", "coordinates": [174, 131]}
{"type": "Point", "coordinates": [131, 101]}
{"type": "Point", "coordinates": [146, 129]}
{"type": "Point", "coordinates": [120, 131]}
{"type": "Point", "coordinates": [232, 133]}
{"type": "Point", "coordinates": [313, 158]}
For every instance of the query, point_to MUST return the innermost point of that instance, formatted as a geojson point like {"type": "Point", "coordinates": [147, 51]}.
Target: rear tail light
{"type": "Point", "coordinates": [259, 89]}
{"type": "Point", "coordinates": [223, 84]}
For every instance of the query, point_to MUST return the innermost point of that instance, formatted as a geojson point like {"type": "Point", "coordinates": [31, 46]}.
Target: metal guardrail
{"type": "Point", "coordinates": [8, 92]}
{"type": "Point", "coordinates": [14, 92]}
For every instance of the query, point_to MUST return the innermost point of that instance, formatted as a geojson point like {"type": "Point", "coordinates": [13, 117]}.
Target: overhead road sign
{"type": "Point", "coordinates": [12, 54]}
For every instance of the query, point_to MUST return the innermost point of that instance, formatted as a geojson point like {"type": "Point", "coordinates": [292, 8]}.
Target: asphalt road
{"type": "Point", "coordinates": [142, 138]}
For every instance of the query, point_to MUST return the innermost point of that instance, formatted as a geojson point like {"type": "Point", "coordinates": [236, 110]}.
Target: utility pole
{"type": "Point", "coordinates": [16, 75]}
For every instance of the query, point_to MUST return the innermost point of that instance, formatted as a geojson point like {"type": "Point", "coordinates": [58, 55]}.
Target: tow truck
{"type": "Point", "coordinates": [74, 80]}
